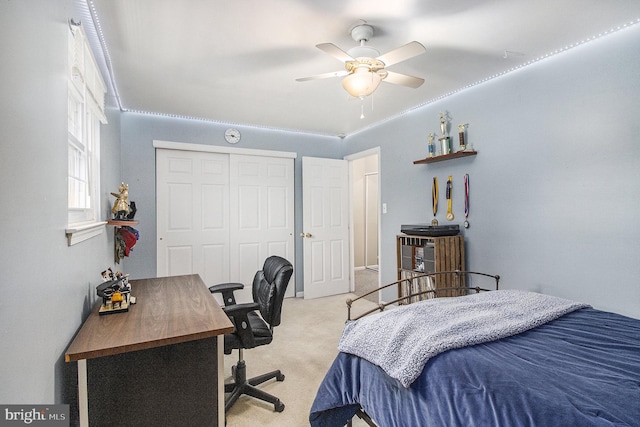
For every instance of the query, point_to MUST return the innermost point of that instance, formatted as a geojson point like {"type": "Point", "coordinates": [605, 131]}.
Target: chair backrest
{"type": "Point", "coordinates": [269, 286]}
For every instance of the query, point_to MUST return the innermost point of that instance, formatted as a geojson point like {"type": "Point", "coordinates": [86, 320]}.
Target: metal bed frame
{"type": "Point", "coordinates": [429, 293]}
{"type": "Point", "coordinates": [406, 299]}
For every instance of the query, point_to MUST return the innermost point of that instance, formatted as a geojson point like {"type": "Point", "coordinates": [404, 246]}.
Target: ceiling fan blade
{"type": "Point", "coordinates": [324, 76]}
{"type": "Point", "coordinates": [402, 53]}
{"type": "Point", "coordinates": [334, 51]}
{"type": "Point", "coordinates": [403, 79]}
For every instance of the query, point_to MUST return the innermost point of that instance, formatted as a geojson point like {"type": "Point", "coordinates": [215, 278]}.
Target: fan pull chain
{"type": "Point", "coordinates": [362, 97]}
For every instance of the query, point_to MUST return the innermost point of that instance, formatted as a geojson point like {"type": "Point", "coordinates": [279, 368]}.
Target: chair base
{"type": "Point", "coordinates": [242, 385]}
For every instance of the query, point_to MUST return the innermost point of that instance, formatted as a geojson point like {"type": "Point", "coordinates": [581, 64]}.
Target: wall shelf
{"type": "Point", "coordinates": [445, 157]}
{"type": "Point", "coordinates": [119, 223]}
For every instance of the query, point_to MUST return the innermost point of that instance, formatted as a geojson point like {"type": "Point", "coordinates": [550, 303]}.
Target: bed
{"type": "Point", "coordinates": [577, 367]}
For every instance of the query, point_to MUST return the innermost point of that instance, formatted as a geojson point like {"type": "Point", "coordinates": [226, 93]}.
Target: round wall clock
{"type": "Point", "coordinates": [232, 136]}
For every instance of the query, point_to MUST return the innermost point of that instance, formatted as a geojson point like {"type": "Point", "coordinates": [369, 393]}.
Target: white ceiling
{"type": "Point", "coordinates": [236, 61]}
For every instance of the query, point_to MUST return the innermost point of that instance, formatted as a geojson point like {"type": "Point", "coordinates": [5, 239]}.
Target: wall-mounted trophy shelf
{"type": "Point", "coordinates": [445, 157]}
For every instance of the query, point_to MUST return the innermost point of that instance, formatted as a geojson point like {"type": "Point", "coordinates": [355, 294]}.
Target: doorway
{"type": "Point", "coordinates": [365, 210]}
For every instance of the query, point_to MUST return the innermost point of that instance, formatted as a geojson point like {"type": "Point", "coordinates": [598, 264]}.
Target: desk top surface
{"type": "Point", "coordinates": [169, 310]}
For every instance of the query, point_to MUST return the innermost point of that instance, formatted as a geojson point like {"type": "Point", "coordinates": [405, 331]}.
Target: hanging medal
{"type": "Point", "coordinates": [466, 200]}
{"type": "Point", "coordinates": [449, 195]}
{"type": "Point", "coordinates": [434, 200]}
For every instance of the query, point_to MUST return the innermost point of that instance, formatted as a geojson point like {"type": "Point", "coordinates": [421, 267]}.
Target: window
{"type": "Point", "coordinates": [86, 91]}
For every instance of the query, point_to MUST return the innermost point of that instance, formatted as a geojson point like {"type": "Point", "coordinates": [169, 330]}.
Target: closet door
{"type": "Point", "coordinates": [192, 211]}
{"type": "Point", "coordinates": [262, 215]}
{"type": "Point", "coordinates": [221, 215]}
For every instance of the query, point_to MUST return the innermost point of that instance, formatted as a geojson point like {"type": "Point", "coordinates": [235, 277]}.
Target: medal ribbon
{"type": "Point", "coordinates": [466, 196]}
{"type": "Point", "coordinates": [449, 196]}
{"type": "Point", "coordinates": [434, 196]}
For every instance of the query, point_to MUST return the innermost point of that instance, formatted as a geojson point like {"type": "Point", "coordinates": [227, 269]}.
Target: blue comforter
{"type": "Point", "coordinates": [582, 369]}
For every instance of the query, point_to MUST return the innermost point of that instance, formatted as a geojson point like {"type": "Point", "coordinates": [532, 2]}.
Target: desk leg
{"type": "Point", "coordinates": [220, 357]}
{"type": "Point", "coordinates": [83, 394]}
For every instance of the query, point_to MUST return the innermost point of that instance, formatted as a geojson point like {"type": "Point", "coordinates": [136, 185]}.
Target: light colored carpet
{"type": "Point", "coordinates": [303, 348]}
{"type": "Point", "coordinates": [366, 280]}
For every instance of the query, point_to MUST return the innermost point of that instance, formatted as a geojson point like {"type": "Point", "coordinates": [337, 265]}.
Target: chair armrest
{"type": "Point", "coordinates": [238, 314]}
{"type": "Point", "coordinates": [241, 309]}
{"type": "Point", "coordinates": [226, 289]}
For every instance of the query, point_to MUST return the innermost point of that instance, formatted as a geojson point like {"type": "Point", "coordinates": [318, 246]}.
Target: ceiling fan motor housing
{"type": "Point", "coordinates": [370, 64]}
{"type": "Point", "coordinates": [365, 56]}
{"type": "Point", "coordinates": [361, 34]}
{"type": "Point", "coordinates": [363, 52]}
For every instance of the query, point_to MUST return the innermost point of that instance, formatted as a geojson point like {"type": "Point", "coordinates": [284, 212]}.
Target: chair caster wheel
{"type": "Point", "coordinates": [278, 406]}
{"type": "Point", "coordinates": [280, 377]}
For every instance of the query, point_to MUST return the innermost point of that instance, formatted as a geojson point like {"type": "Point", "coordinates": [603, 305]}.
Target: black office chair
{"type": "Point", "coordinates": [253, 329]}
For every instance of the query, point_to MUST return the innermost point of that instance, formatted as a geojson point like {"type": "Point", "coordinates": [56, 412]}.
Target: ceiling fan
{"type": "Point", "coordinates": [365, 67]}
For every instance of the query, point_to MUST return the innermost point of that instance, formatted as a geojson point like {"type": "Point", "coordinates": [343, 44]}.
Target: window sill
{"type": "Point", "coordinates": [84, 232]}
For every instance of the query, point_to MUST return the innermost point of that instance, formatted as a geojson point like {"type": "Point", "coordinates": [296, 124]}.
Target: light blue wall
{"type": "Point", "coordinates": [47, 287]}
{"type": "Point", "coordinates": [555, 187]}
{"type": "Point", "coordinates": [138, 170]}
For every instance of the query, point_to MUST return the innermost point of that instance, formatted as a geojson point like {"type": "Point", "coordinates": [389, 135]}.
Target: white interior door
{"type": "Point", "coordinates": [325, 226]}
{"type": "Point", "coordinates": [192, 191]}
{"type": "Point", "coordinates": [261, 202]}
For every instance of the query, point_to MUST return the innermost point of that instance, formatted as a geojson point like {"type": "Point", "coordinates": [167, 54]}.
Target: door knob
{"type": "Point", "coordinates": [305, 234]}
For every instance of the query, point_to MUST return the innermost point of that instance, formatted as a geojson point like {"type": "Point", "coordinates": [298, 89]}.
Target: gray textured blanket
{"type": "Point", "coordinates": [402, 340]}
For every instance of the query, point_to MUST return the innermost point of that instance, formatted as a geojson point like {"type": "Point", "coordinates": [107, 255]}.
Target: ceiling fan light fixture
{"type": "Point", "coordinates": [361, 82]}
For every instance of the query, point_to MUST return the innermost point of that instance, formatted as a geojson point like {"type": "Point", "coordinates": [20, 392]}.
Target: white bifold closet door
{"type": "Point", "coordinates": [221, 215]}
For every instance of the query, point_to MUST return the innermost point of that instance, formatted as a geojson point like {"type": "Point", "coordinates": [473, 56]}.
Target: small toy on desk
{"type": "Point", "coordinates": [115, 291]}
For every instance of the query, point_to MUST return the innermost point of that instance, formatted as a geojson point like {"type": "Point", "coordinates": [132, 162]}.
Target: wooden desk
{"type": "Point", "coordinates": [161, 363]}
